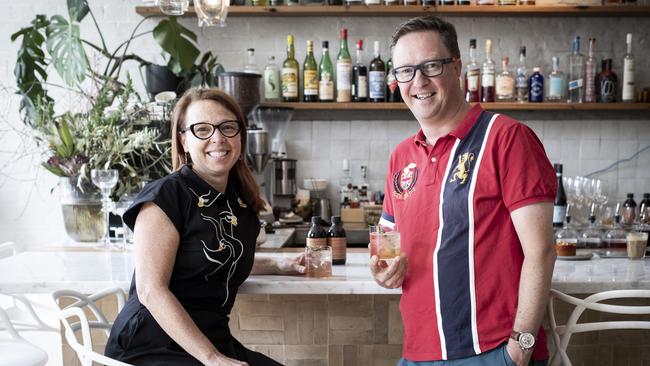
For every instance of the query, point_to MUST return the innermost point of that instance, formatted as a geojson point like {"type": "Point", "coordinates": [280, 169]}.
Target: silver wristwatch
{"type": "Point", "coordinates": [525, 340]}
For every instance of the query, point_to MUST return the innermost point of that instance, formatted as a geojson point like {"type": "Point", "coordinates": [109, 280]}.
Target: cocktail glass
{"type": "Point", "coordinates": [105, 180]}
{"type": "Point", "coordinates": [384, 243]}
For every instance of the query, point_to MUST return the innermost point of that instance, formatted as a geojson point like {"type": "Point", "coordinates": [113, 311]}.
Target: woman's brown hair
{"type": "Point", "coordinates": [240, 177]}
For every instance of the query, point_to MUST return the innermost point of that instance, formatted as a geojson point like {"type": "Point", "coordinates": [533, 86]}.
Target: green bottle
{"type": "Point", "coordinates": [310, 75]}
{"type": "Point", "coordinates": [325, 76]}
{"type": "Point", "coordinates": [344, 70]}
{"type": "Point", "coordinates": [290, 73]}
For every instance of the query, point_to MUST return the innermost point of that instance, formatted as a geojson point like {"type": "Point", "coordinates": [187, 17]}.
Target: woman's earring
{"type": "Point", "coordinates": [188, 158]}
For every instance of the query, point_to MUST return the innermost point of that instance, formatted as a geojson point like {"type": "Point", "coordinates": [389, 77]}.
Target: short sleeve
{"type": "Point", "coordinates": [167, 193]}
{"type": "Point", "coordinates": [387, 214]}
{"type": "Point", "coordinates": [526, 175]}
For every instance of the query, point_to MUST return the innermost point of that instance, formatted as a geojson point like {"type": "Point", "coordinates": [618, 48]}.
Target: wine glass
{"type": "Point", "coordinates": [211, 12]}
{"type": "Point", "coordinates": [105, 180]}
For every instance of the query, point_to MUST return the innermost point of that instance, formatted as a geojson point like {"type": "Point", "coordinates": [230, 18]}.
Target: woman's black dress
{"type": "Point", "coordinates": [215, 255]}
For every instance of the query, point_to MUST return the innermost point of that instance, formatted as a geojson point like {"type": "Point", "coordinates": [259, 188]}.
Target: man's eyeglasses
{"type": "Point", "coordinates": [205, 130]}
{"type": "Point", "coordinates": [432, 68]}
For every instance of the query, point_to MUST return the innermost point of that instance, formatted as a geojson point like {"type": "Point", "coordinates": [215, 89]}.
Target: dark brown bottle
{"type": "Point", "coordinates": [392, 87]}
{"type": "Point", "coordinates": [316, 236]}
{"type": "Point", "coordinates": [337, 240]}
{"type": "Point", "coordinates": [645, 206]}
{"type": "Point", "coordinates": [606, 83]}
{"type": "Point", "coordinates": [629, 209]}
{"type": "Point", "coordinates": [359, 77]}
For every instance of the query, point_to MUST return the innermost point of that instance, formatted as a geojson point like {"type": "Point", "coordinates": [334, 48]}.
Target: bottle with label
{"type": "Point", "coordinates": [488, 75]}
{"type": "Point", "coordinates": [566, 239]}
{"type": "Point", "coordinates": [591, 68]}
{"type": "Point", "coordinates": [377, 77]}
{"type": "Point", "coordinates": [271, 80]}
{"type": "Point", "coordinates": [472, 75]}
{"type": "Point", "coordinates": [360, 76]}
{"type": "Point", "coordinates": [290, 73]}
{"type": "Point", "coordinates": [344, 70]}
{"type": "Point", "coordinates": [591, 238]}
{"type": "Point", "coordinates": [337, 240]}
{"type": "Point", "coordinates": [325, 76]}
{"type": "Point", "coordinates": [560, 204]}
{"type": "Point", "coordinates": [505, 83]}
{"type": "Point", "coordinates": [645, 205]}
{"type": "Point", "coordinates": [576, 84]}
{"type": "Point", "coordinates": [251, 66]}
{"type": "Point", "coordinates": [392, 86]}
{"type": "Point", "coordinates": [310, 75]}
{"type": "Point", "coordinates": [628, 72]}
{"type": "Point", "coordinates": [606, 83]}
{"type": "Point", "coordinates": [629, 210]}
{"type": "Point", "coordinates": [615, 239]}
{"type": "Point", "coordinates": [316, 236]}
{"type": "Point", "coordinates": [556, 84]}
{"type": "Point", "coordinates": [536, 82]}
{"type": "Point", "coordinates": [318, 255]}
{"type": "Point", "coordinates": [521, 82]}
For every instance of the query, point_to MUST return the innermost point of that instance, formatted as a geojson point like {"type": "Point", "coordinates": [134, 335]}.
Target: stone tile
{"type": "Point", "coordinates": [395, 325]}
{"type": "Point", "coordinates": [360, 149]}
{"type": "Point", "coordinates": [340, 130]}
{"type": "Point", "coordinates": [361, 130]}
{"type": "Point", "coordinates": [275, 352]}
{"type": "Point", "coordinates": [262, 337]}
{"type": "Point", "coordinates": [340, 149]}
{"type": "Point", "coordinates": [291, 323]}
{"type": "Point", "coordinates": [300, 352]}
{"type": "Point", "coordinates": [351, 336]}
{"type": "Point", "coordinates": [380, 319]}
{"type": "Point", "coordinates": [251, 322]}
{"type": "Point", "coordinates": [350, 355]}
{"type": "Point", "coordinates": [350, 322]}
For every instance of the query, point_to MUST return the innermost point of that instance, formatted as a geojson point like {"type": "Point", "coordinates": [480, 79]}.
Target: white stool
{"type": "Point", "coordinates": [15, 350]}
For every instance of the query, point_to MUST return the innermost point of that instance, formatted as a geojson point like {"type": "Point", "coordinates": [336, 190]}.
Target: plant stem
{"type": "Point", "coordinates": [129, 42]}
{"type": "Point", "coordinates": [101, 36]}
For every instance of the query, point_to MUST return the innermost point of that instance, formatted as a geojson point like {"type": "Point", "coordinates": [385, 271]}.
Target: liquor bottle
{"type": "Point", "coordinates": [442, 2]}
{"type": "Point", "coordinates": [606, 83]}
{"type": "Point", "coordinates": [615, 239]}
{"type": "Point", "coordinates": [316, 236]}
{"type": "Point", "coordinates": [310, 75]}
{"type": "Point", "coordinates": [271, 80]}
{"type": "Point", "coordinates": [536, 82]}
{"type": "Point", "coordinates": [410, 2]}
{"type": "Point", "coordinates": [464, 2]}
{"type": "Point", "coordinates": [325, 76]}
{"type": "Point", "coordinates": [472, 75]}
{"type": "Point", "coordinates": [507, 2]}
{"type": "Point", "coordinates": [628, 73]}
{"type": "Point", "coordinates": [337, 240]}
{"type": "Point", "coordinates": [353, 2]}
{"type": "Point", "coordinates": [484, 2]}
{"type": "Point", "coordinates": [521, 83]}
{"type": "Point", "coordinates": [377, 77]}
{"type": "Point", "coordinates": [487, 75]}
{"type": "Point", "coordinates": [360, 77]}
{"type": "Point", "coordinates": [591, 68]}
{"type": "Point", "coordinates": [556, 84]}
{"type": "Point", "coordinates": [251, 66]}
{"type": "Point", "coordinates": [505, 83]}
{"type": "Point", "coordinates": [566, 237]}
{"type": "Point", "coordinates": [290, 73]}
{"type": "Point", "coordinates": [591, 238]}
{"type": "Point", "coordinates": [645, 204]}
{"type": "Point", "coordinates": [576, 73]}
{"type": "Point", "coordinates": [629, 210]}
{"type": "Point", "coordinates": [560, 204]}
{"type": "Point", "coordinates": [343, 70]}
{"type": "Point", "coordinates": [392, 86]}
{"type": "Point", "coordinates": [391, 2]}
{"type": "Point", "coordinates": [373, 2]}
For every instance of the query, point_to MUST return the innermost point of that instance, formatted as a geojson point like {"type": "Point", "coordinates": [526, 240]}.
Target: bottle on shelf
{"type": "Point", "coordinates": [505, 83]}
{"type": "Point", "coordinates": [337, 240]}
{"type": "Point", "coordinates": [345, 183]}
{"type": "Point", "coordinates": [353, 2]}
{"type": "Point", "coordinates": [521, 83]}
{"type": "Point", "coordinates": [359, 76]}
{"type": "Point", "coordinates": [606, 83]}
{"type": "Point", "coordinates": [628, 92]}
{"type": "Point", "coordinates": [487, 74]}
{"type": "Point", "coordinates": [325, 76]}
{"type": "Point", "coordinates": [576, 83]}
{"type": "Point", "coordinates": [591, 68]}
{"type": "Point", "coordinates": [392, 86]}
{"type": "Point", "coordinates": [271, 80]}
{"type": "Point", "coordinates": [556, 85]}
{"type": "Point", "coordinates": [566, 239]}
{"type": "Point", "coordinates": [472, 75]}
{"type": "Point", "coordinates": [310, 75]}
{"type": "Point", "coordinates": [615, 239]}
{"type": "Point", "coordinates": [318, 255]}
{"type": "Point", "coordinates": [526, 2]}
{"type": "Point", "coordinates": [290, 73]}
{"type": "Point", "coordinates": [591, 238]}
{"type": "Point", "coordinates": [343, 70]}
{"type": "Point", "coordinates": [484, 2]}
{"type": "Point", "coordinates": [377, 77]}
{"type": "Point", "coordinates": [410, 2]}
{"type": "Point", "coordinates": [251, 66]}
{"type": "Point", "coordinates": [507, 2]}
{"type": "Point", "coordinates": [391, 2]}
{"type": "Point", "coordinates": [629, 210]}
{"type": "Point", "coordinates": [364, 192]}
{"type": "Point", "coordinates": [442, 2]}
{"type": "Point", "coordinates": [373, 2]}
{"type": "Point", "coordinates": [536, 90]}
{"type": "Point", "coordinates": [464, 2]}
{"type": "Point", "coordinates": [560, 204]}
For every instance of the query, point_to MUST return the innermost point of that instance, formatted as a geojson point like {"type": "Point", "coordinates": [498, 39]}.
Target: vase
{"type": "Point", "coordinates": [82, 211]}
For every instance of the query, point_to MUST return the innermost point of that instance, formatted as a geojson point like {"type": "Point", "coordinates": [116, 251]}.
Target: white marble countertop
{"type": "Point", "coordinates": [88, 271]}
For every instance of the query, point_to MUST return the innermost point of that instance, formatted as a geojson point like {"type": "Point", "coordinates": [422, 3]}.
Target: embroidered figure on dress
{"type": "Point", "coordinates": [462, 168]}
{"type": "Point", "coordinates": [404, 181]}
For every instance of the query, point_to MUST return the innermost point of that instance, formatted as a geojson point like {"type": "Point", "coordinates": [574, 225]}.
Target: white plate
{"type": "Point", "coordinates": [580, 257]}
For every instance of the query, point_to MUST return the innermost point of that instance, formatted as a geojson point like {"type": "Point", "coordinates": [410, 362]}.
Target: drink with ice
{"type": "Point", "coordinates": [383, 243]}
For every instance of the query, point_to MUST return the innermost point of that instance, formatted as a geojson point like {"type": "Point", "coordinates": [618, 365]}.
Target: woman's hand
{"type": "Point", "coordinates": [291, 266]}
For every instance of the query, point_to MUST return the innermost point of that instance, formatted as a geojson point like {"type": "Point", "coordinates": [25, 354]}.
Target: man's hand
{"type": "Point", "coordinates": [390, 276]}
{"type": "Point", "coordinates": [291, 266]}
{"type": "Point", "coordinates": [518, 355]}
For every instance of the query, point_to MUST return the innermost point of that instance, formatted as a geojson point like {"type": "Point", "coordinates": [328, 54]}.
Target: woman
{"type": "Point", "coordinates": [194, 234]}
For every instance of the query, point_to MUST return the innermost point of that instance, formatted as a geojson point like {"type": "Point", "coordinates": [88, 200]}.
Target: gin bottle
{"type": "Point", "coordinates": [576, 73]}
{"type": "Point", "coordinates": [505, 83]}
{"type": "Point", "coordinates": [555, 83]}
{"type": "Point", "coordinates": [591, 68]}
{"type": "Point", "coordinates": [628, 72]}
{"type": "Point", "coordinates": [522, 77]}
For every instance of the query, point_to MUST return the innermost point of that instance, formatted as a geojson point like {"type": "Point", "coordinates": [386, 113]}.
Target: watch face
{"type": "Point", "coordinates": [526, 340]}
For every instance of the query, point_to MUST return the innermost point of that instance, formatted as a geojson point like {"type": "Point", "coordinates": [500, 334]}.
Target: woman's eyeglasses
{"type": "Point", "coordinates": [432, 68]}
{"type": "Point", "coordinates": [205, 130]}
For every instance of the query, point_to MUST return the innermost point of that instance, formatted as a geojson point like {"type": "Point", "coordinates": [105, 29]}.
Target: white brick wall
{"type": "Point", "coordinates": [582, 141]}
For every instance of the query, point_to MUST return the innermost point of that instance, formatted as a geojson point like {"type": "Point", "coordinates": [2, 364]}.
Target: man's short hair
{"type": "Point", "coordinates": [429, 23]}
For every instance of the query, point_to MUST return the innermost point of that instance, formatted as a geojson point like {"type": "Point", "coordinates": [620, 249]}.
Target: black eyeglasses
{"type": "Point", "coordinates": [432, 68]}
{"type": "Point", "coordinates": [205, 130]}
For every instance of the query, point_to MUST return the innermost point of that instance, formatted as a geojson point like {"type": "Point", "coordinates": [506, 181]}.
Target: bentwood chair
{"type": "Point", "coordinates": [80, 309]}
{"type": "Point", "coordinates": [15, 350]}
{"type": "Point", "coordinates": [561, 334]}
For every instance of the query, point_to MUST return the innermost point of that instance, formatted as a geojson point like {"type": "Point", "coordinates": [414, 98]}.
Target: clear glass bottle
{"type": "Point", "coordinates": [345, 183]}
{"type": "Point", "coordinates": [521, 83]}
{"type": "Point", "coordinates": [576, 84]}
{"type": "Point", "coordinates": [591, 238]}
{"type": "Point", "coordinates": [472, 75]}
{"type": "Point", "coordinates": [615, 241]}
{"type": "Point", "coordinates": [488, 72]}
{"type": "Point", "coordinates": [505, 83]}
{"type": "Point", "coordinates": [271, 80]}
{"type": "Point", "coordinates": [251, 66]}
{"type": "Point", "coordinates": [377, 77]}
{"type": "Point", "coordinates": [591, 68]}
{"type": "Point", "coordinates": [566, 239]}
{"type": "Point", "coordinates": [556, 85]}
{"type": "Point", "coordinates": [628, 91]}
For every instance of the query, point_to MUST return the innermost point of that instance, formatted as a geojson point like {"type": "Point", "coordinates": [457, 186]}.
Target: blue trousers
{"type": "Point", "coordinates": [496, 357]}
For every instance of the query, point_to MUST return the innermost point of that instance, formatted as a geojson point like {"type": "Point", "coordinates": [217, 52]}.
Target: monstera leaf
{"type": "Point", "coordinates": [77, 9]}
{"type": "Point", "coordinates": [67, 51]}
{"type": "Point", "coordinates": [179, 42]}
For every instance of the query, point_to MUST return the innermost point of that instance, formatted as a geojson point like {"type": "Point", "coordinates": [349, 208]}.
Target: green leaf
{"type": "Point", "coordinates": [53, 169]}
{"type": "Point", "coordinates": [179, 42]}
{"type": "Point", "coordinates": [66, 137]}
{"type": "Point", "coordinates": [78, 9]}
{"type": "Point", "coordinates": [65, 47]}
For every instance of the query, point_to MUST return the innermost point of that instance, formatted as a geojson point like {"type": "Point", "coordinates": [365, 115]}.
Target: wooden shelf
{"type": "Point", "coordinates": [413, 10]}
{"type": "Point", "coordinates": [488, 106]}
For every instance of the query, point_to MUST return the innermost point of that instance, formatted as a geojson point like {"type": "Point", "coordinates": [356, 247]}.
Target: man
{"type": "Point", "coordinates": [471, 195]}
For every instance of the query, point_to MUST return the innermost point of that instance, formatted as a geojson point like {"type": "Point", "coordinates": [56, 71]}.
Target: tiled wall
{"type": "Point", "coordinates": [30, 214]}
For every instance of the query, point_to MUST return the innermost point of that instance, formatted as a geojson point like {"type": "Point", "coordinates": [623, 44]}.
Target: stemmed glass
{"type": "Point", "coordinates": [212, 12]}
{"type": "Point", "coordinates": [105, 180]}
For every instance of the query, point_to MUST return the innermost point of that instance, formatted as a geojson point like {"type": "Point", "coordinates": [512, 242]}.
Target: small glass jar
{"type": "Point", "coordinates": [318, 261]}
